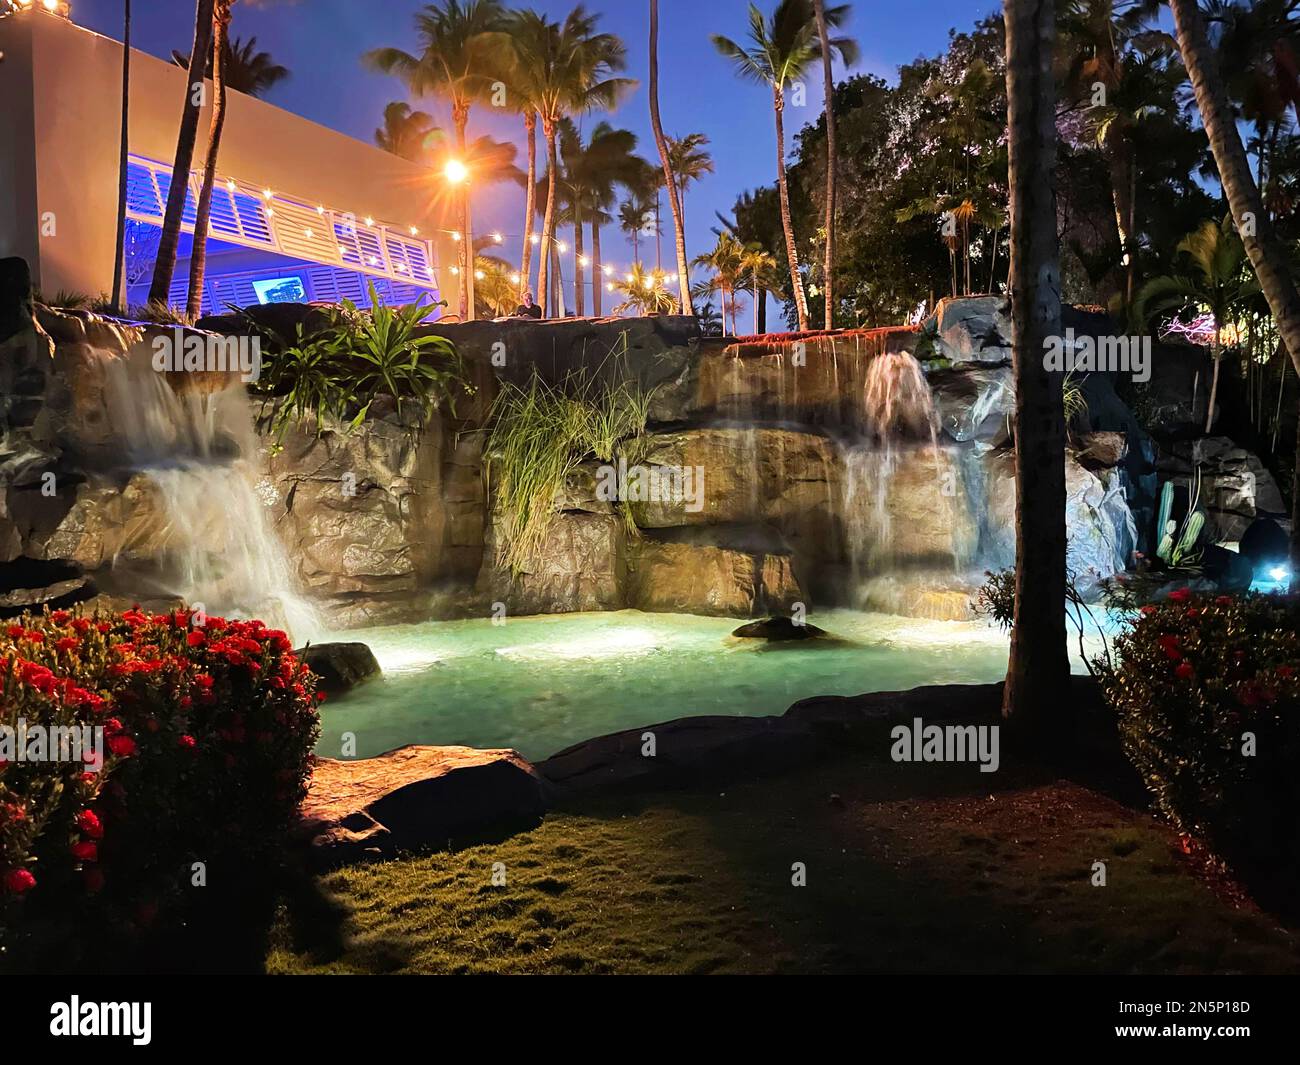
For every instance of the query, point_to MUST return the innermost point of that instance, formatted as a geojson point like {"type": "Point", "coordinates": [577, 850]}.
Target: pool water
{"type": "Point", "coordinates": [539, 684]}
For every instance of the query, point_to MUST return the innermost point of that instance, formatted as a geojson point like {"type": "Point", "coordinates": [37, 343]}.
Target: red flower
{"type": "Point", "coordinates": [15, 631]}
{"type": "Point", "coordinates": [122, 746]}
{"type": "Point", "coordinates": [203, 680]}
{"type": "Point", "coordinates": [1285, 672]}
{"type": "Point", "coordinates": [1184, 670]}
{"type": "Point", "coordinates": [1180, 595]}
{"type": "Point", "coordinates": [85, 851]}
{"type": "Point", "coordinates": [195, 638]}
{"type": "Point", "coordinates": [320, 697]}
{"type": "Point", "coordinates": [187, 741]}
{"type": "Point", "coordinates": [1224, 600]}
{"type": "Point", "coordinates": [60, 617]}
{"type": "Point", "coordinates": [89, 824]}
{"type": "Point", "coordinates": [18, 881]}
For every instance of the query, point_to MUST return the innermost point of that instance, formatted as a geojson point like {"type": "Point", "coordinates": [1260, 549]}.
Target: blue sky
{"type": "Point", "coordinates": [321, 42]}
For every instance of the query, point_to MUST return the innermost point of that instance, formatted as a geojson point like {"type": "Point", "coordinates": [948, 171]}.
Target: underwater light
{"type": "Point", "coordinates": [1279, 573]}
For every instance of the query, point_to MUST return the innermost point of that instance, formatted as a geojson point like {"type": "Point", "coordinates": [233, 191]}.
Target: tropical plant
{"type": "Point", "coordinates": [539, 434]}
{"type": "Point", "coordinates": [828, 87]}
{"type": "Point", "coordinates": [645, 292]}
{"type": "Point", "coordinates": [759, 274]}
{"type": "Point", "coordinates": [690, 160]}
{"type": "Point", "coordinates": [496, 293]}
{"type": "Point", "coordinates": [410, 135]}
{"type": "Point", "coordinates": [778, 52]}
{"type": "Point", "coordinates": [635, 216]}
{"type": "Point", "coordinates": [460, 47]}
{"type": "Point", "coordinates": [1216, 280]}
{"type": "Point", "coordinates": [339, 371]}
{"type": "Point", "coordinates": [569, 69]}
{"type": "Point", "coordinates": [247, 70]}
{"type": "Point", "coordinates": [726, 260]}
{"type": "Point", "coordinates": [670, 181]}
{"type": "Point", "coordinates": [169, 239]}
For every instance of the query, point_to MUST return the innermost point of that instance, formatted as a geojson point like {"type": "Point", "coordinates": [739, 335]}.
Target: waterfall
{"type": "Point", "coordinates": [200, 450]}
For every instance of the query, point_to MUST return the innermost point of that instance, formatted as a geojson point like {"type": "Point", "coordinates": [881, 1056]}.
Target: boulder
{"type": "Point", "coordinates": [1101, 450]}
{"type": "Point", "coordinates": [778, 628]}
{"type": "Point", "coordinates": [59, 594]}
{"type": "Point", "coordinates": [699, 578]}
{"type": "Point", "coordinates": [1236, 487]}
{"type": "Point", "coordinates": [417, 797]}
{"type": "Point", "coordinates": [579, 566]}
{"type": "Point", "coordinates": [974, 402]}
{"type": "Point", "coordinates": [339, 666]}
{"type": "Point", "coordinates": [971, 329]}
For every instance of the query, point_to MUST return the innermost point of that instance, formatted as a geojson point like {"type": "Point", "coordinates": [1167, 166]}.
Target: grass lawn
{"type": "Point", "coordinates": [910, 868]}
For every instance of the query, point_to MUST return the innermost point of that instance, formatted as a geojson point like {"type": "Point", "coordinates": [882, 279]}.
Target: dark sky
{"type": "Point", "coordinates": [321, 41]}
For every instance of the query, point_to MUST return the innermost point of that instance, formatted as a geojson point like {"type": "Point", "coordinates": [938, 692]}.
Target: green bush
{"type": "Point", "coordinates": [207, 732]}
{"type": "Point", "coordinates": [1195, 683]}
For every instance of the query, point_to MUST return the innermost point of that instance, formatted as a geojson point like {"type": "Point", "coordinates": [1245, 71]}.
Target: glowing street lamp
{"type": "Point", "coordinates": [455, 171]}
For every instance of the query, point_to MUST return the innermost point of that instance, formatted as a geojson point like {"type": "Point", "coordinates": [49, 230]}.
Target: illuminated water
{"type": "Point", "coordinates": [539, 684]}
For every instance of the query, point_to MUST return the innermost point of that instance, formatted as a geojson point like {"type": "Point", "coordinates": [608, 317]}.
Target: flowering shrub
{"type": "Point", "coordinates": [1208, 696]}
{"type": "Point", "coordinates": [208, 727]}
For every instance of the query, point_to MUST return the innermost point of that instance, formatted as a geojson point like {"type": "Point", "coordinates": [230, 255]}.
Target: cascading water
{"type": "Point", "coordinates": [198, 449]}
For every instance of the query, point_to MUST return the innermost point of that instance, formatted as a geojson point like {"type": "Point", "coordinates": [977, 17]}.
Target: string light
{"type": "Point", "coordinates": [369, 221]}
{"type": "Point", "coordinates": [534, 239]}
{"type": "Point", "coordinates": [497, 238]}
{"type": "Point", "coordinates": [320, 208]}
{"type": "Point", "coordinates": [231, 184]}
{"type": "Point", "coordinates": [267, 194]}
{"type": "Point", "coordinates": [583, 260]}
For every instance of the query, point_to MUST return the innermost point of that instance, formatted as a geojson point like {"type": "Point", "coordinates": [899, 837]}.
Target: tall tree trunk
{"type": "Point", "coordinates": [597, 273]}
{"type": "Point", "coordinates": [761, 326]}
{"type": "Point", "coordinates": [460, 119]}
{"type": "Point", "coordinates": [548, 219]}
{"type": "Point", "coordinates": [203, 211]}
{"type": "Point", "coordinates": [165, 264]}
{"type": "Point", "coordinates": [530, 206]}
{"type": "Point", "coordinates": [1117, 152]}
{"type": "Point", "coordinates": [756, 306]}
{"type": "Point", "coordinates": [1039, 671]}
{"type": "Point", "coordinates": [579, 273]}
{"type": "Point", "coordinates": [1267, 255]}
{"type": "Point", "coordinates": [832, 156]}
{"type": "Point", "coordinates": [670, 182]}
{"type": "Point", "coordinates": [787, 224]}
{"type": "Point", "coordinates": [1216, 350]}
{"type": "Point", "coordinates": [119, 251]}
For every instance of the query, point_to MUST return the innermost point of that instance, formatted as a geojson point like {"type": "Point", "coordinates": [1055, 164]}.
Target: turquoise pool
{"type": "Point", "coordinates": [539, 684]}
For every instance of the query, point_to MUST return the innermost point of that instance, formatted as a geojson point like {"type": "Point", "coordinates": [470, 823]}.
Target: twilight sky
{"type": "Point", "coordinates": [321, 41]}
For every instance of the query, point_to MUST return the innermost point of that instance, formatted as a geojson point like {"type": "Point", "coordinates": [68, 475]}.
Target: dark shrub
{"type": "Point", "coordinates": [1197, 680]}
{"type": "Point", "coordinates": [208, 730]}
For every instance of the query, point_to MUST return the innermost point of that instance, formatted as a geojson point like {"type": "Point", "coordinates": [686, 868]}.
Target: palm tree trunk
{"type": "Point", "coordinates": [119, 251]}
{"type": "Point", "coordinates": [596, 272]}
{"type": "Point", "coordinates": [165, 263]}
{"type": "Point", "coordinates": [530, 206]}
{"type": "Point", "coordinates": [1118, 154]}
{"type": "Point", "coordinates": [1039, 671]}
{"type": "Point", "coordinates": [465, 253]}
{"type": "Point", "coordinates": [1216, 350]}
{"type": "Point", "coordinates": [828, 270]}
{"type": "Point", "coordinates": [755, 306]}
{"type": "Point", "coordinates": [670, 182]}
{"type": "Point", "coordinates": [548, 219]}
{"type": "Point", "coordinates": [783, 191]}
{"type": "Point", "coordinates": [579, 274]}
{"type": "Point", "coordinates": [203, 211]}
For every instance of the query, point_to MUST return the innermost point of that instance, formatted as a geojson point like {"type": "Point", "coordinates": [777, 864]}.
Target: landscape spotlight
{"type": "Point", "coordinates": [455, 171]}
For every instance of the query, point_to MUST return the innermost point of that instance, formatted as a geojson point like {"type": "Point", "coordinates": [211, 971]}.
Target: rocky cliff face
{"type": "Point", "coordinates": [803, 499]}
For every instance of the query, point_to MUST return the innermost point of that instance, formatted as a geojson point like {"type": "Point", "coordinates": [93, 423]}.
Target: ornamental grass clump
{"type": "Point", "coordinates": [541, 433]}
{"type": "Point", "coordinates": [207, 729]}
{"type": "Point", "coordinates": [1207, 693]}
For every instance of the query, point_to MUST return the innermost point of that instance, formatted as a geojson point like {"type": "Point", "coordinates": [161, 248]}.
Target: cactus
{"type": "Point", "coordinates": [1178, 547]}
{"type": "Point", "coordinates": [1185, 550]}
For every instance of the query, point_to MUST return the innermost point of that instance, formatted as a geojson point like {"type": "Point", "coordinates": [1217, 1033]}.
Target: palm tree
{"type": "Point", "coordinates": [203, 210]}
{"type": "Point", "coordinates": [635, 216]}
{"type": "Point", "coordinates": [496, 294]}
{"type": "Point", "coordinates": [758, 268]}
{"type": "Point", "coordinates": [725, 259]}
{"type": "Point", "coordinates": [1218, 281]}
{"type": "Point", "coordinates": [669, 179]}
{"type": "Point", "coordinates": [525, 28]}
{"type": "Point", "coordinates": [247, 70]}
{"type": "Point", "coordinates": [778, 52]}
{"type": "Point", "coordinates": [461, 44]}
{"type": "Point", "coordinates": [119, 249]}
{"type": "Point", "coordinates": [165, 262]}
{"type": "Point", "coordinates": [828, 79]}
{"type": "Point", "coordinates": [690, 162]}
{"type": "Point", "coordinates": [410, 135]}
{"type": "Point", "coordinates": [1038, 671]}
{"type": "Point", "coordinates": [645, 292]}
{"type": "Point", "coordinates": [571, 69]}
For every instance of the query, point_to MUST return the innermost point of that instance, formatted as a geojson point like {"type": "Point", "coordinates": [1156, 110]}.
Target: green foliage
{"type": "Point", "coordinates": [1177, 545]}
{"type": "Point", "coordinates": [340, 371]}
{"type": "Point", "coordinates": [540, 433]}
{"type": "Point", "coordinates": [1207, 692]}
